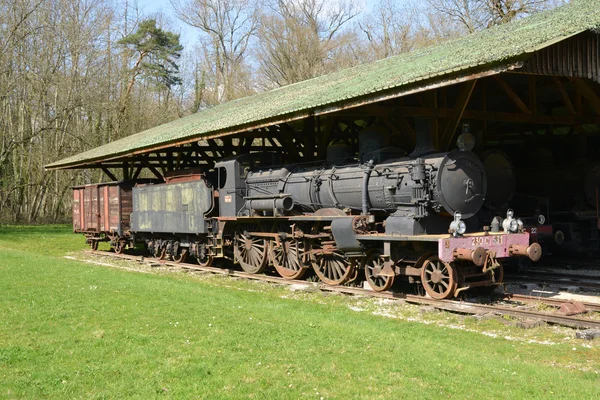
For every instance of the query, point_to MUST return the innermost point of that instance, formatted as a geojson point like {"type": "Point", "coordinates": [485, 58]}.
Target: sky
{"type": "Point", "coordinates": [149, 7]}
{"type": "Point", "coordinates": [189, 34]}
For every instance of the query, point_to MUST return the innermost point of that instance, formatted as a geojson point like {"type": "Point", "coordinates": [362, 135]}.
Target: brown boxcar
{"type": "Point", "coordinates": [102, 212]}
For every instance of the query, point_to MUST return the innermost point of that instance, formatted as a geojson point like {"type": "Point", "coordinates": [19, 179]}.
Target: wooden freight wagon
{"type": "Point", "coordinates": [102, 212]}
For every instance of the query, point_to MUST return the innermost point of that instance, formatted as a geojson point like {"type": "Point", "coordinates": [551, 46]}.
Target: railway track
{"type": "Point", "coordinates": [523, 298]}
{"type": "Point", "coordinates": [455, 306]}
{"type": "Point", "coordinates": [556, 278]}
{"type": "Point", "coordinates": [571, 263]}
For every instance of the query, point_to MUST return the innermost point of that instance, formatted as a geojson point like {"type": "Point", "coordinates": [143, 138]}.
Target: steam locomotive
{"type": "Point", "coordinates": [386, 215]}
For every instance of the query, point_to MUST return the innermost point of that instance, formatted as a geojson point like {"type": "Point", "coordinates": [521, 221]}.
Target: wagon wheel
{"type": "Point", "coordinates": [332, 268]}
{"type": "Point", "coordinates": [181, 256]}
{"type": "Point", "coordinates": [94, 245]}
{"type": "Point", "coordinates": [120, 247]}
{"type": "Point", "coordinates": [287, 258]}
{"type": "Point", "coordinates": [205, 260]}
{"type": "Point", "coordinates": [250, 252]}
{"type": "Point", "coordinates": [160, 253]}
{"type": "Point", "coordinates": [202, 255]}
{"type": "Point", "coordinates": [373, 264]}
{"type": "Point", "coordinates": [438, 278]}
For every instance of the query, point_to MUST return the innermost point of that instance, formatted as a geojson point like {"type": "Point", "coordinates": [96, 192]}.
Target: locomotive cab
{"type": "Point", "coordinates": [231, 179]}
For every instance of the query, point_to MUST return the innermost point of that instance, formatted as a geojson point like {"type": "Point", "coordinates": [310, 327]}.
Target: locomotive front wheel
{"type": "Point", "coordinates": [287, 259]}
{"type": "Point", "coordinates": [373, 264]}
{"type": "Point", "coordinates": [438, 278]}
{"type": "Point", "coordinates": [332, 268]}
{"type": "Point", "coordinates": [251, 252]}
{"type": "Point", "coordinates": [181, 256]}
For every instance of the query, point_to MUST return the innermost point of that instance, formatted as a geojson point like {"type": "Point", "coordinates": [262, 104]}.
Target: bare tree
{"type": "Point", "coordinates": [228, 26]}
{"type": "Point", "coordinates": [298, 39]}
{"type": "Point", "coordinates": [475, 15]}
{"type": "Point", "coordinates": [61, 78]}
{"type": "Point", "coordinates": [389, 29]}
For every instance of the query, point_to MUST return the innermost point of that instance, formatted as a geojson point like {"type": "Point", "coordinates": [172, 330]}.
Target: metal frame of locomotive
{"type": "Point", "coordinates": [390, 216]}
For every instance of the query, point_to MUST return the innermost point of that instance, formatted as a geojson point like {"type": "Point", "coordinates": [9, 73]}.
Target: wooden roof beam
{"type": "Point", "coordinates": [588, 93]}
{"type": "Point", "coordinates": [565, 96]}
{"type": "Point", "coordinates": [512, 95]}
{"type": "Point", "coordinates": [109, 174]}
{"type": "Point", "coordinates": [500, 116]}
{"type": "Point", "coordinates": [153, 170]}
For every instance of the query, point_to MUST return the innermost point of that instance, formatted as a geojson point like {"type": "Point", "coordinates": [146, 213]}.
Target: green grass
{"type": "Point", "coordinates": [71, 329]}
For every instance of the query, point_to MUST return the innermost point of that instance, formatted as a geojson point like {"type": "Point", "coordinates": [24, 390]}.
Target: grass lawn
{"type": "Point", "coordinates": [72, 329]}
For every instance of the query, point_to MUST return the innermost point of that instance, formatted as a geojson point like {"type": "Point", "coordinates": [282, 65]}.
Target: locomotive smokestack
{"type": "Point", "coordinates": [424, 143]}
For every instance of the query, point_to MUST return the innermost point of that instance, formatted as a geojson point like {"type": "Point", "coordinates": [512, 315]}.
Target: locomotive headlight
{"type": "Point", "coordinates": [462, 228]}
{"type": "Point", "coordinates": [457, 227]}
{"type": "Point", "coordinates": [513, 226]}
{"type": "Point", "coordinates": [520, 225]}
{"type": "Point", "coordinates": [510, 224]}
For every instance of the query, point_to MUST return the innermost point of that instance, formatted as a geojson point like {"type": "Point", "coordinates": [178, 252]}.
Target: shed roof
{"type": "Point", "coordinates": [488, 49]}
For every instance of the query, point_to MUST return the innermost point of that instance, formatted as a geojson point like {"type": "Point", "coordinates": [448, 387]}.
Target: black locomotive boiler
{"type": "Point", "coordinates": [386, 215]}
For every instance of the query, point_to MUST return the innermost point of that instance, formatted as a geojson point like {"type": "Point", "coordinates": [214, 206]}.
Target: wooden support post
{"type": "Point", "coordinates": [179, 160]}
{"type": "Point", "coordinates": [532, 94]}
{"type": "Point", "coordinates": [464, 95]}
{"type": "Point", "coordinates": [288, 135]}
{"type": "Point", "coordinates": [126, 175]}
{"type": "Point", "coordinates": [247, 145]}
{"type": "Point", "coordinates": [309, 138]}
{"type": "Point", "coordinates": [326, 126]}
{"type": "Point", "coordinates": [484, 84]}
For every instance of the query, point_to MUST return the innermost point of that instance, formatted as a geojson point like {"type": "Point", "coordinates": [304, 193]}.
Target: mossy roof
{"type": "Point", "coordinates": [499, 45]}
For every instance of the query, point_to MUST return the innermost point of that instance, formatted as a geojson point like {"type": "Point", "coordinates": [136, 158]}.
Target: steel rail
{"type": "Point", "coordinates": [549, 301]}
{"type": "Point", "coordinates": [455, 306]}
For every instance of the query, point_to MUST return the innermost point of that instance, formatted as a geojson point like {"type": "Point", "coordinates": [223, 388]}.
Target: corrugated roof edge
{"type": "Point", "coordinates": [202, 124]}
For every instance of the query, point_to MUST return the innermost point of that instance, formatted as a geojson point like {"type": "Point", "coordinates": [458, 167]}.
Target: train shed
{"type": "Point", "coordinates": [530, 88]}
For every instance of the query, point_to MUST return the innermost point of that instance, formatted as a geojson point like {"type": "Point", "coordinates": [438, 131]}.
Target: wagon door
{"type": "Point", "coordinates": [78, 210]}
{"type": "Point", "coordinates": [91, 208]}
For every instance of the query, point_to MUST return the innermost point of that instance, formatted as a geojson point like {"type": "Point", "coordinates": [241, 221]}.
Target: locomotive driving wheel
{"type": "Point", "coordinates": [439, 278]}
{"type": "Point", "coordinates": [373, 263]}
{"type": "Point", "coordinates": [332, 267]}
{"type": "Point", "coordinates": [287, 258]}
{"type": "Point", "coordinates": [251, 252]}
